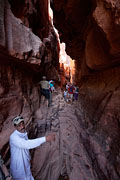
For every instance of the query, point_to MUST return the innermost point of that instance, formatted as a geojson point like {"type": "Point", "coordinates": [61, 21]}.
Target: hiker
{"type": "Point", "coordinates": [67, 85]}
{"type": "Point", "coordinates": [4, 173]}
{"type": "Point", "coordinates": [76, 91]}
{"type": "Point", "coordinates": [45, 89]}
{"type": "Point", "coordinates": [65, 94]}
{"type": "Point", "coordinates": [70, 92]}
{"type": "Point", "coordinates": [19, 149]}
{"type": "Point", "coordinates": [52, 88]}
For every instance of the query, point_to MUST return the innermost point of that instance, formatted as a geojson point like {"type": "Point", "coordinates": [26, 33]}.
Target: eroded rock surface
{"type": "Point", "coordinates": [90, 30]}
{"type": "Point", "coordinates": [25, 56]}
{"type": "Point", "coordinates": [87, 132]}
{"type": "Point", "coordinates": [81, 150]}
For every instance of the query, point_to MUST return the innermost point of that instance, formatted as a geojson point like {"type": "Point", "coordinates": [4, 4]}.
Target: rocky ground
{"type": "Point", "coordinates": [65, 158]}
{"type": "Point", "coordinates": [54, 159]}
{"type": "Point", "coordinates": [79, 152]}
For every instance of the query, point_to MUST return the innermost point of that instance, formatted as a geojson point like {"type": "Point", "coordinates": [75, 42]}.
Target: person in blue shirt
{"type": "Point", "coordinates": [19, 149]}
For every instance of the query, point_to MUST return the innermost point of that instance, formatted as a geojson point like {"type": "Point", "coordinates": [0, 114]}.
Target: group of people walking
{"type": "Point", "coordinates": [71, 92]}
{"type": "Point", "coordinates": [20, 156]}
{"type": "Point", "coordinates": [47, 87]}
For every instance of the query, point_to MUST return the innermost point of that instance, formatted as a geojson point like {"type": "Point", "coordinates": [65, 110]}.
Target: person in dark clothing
{"type": "Point", "coordinates": [45, 89]}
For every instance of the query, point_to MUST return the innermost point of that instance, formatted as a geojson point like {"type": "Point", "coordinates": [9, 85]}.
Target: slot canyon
{"type": "Point", "coordinates": [87, 131]}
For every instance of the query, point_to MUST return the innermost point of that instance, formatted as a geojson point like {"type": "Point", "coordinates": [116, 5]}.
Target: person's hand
{"type": "Point", "coordinates": [50, 137]}
{"type": "Point", "coordinates": [9, 178]}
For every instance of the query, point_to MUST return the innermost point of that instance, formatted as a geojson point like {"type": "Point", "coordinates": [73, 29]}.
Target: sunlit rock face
{"type": "Point", "coordinates": [28, 50]}
{"type": "Point", "coordinates": [90, 30]}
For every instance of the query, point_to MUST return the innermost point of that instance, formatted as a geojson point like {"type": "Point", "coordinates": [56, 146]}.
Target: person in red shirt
{"type": "Point", "coordinates": [70, 91]}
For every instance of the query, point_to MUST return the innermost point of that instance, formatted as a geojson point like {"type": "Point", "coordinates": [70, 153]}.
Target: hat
{"type": "Point", "coordinates": [50, 81]}
{"type": "Point", "coordinates": [44, 77]}
{"type": "Point", "coordinates": [17, 120]}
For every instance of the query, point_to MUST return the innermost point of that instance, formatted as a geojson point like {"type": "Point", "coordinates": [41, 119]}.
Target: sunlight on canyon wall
{"type": "Point", "coordinates": [65, 61]}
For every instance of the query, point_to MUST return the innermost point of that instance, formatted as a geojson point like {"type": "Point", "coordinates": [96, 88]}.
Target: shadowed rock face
{"type": "Point", "coordinates": [71, 19]}
{"type": "Point", "coordinates": [19, 38]}
{"type": "Point", "coordinates": [34, 14]}
{"type": "Point", "coordinates": [90, 30]}
{"type": "Point", "coordinates": [19, 95]}
{"type": "Point", "coordinates": [24, 58]}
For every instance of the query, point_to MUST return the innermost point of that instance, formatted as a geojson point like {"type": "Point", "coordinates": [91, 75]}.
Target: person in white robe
{"type": "Point", "coordinates": [19, 148]}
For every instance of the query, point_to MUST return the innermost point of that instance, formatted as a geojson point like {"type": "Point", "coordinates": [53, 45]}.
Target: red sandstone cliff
{"type": "Point", "coordinates": [25, 29]}
{"type": "Point", "coordinates": [90, 30]}
{"type": "Point", "coordinates": [87, 133]}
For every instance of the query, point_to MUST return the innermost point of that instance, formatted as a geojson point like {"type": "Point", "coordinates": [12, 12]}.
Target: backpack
{"type": "Point", "coordinates": [71, 89]}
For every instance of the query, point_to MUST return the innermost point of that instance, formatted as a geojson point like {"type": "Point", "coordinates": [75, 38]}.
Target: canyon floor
{"type": "Point", "coordinates": [66, 157]}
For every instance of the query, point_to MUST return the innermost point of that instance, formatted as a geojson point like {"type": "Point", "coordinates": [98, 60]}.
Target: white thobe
{"type": "Point", "coordinates": [20, 156]}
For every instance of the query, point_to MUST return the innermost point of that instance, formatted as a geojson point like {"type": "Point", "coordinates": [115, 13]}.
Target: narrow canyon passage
{"type": "Point", "coordinates": [63, 156]}
{"type": "Point", "coordinates": [38, 38]}
{"type": "Point", "coordinates": [75, 154]}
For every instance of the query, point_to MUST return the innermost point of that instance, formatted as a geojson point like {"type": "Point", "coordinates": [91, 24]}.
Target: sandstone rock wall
{"type": "Point", "coordinates": [20, 40]}
{"type": "Point", "coordinates": [19, 95]}
{"type": "Point", "coordinates": [30, 49]}
{"type": "Point", "coordinates": [90, 30]}
{"type": "Point", "coordinates": [24, 59]}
